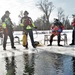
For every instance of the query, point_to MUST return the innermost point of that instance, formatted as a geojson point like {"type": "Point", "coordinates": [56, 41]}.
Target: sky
{"type": "Point", "coordinates": [15, 6]}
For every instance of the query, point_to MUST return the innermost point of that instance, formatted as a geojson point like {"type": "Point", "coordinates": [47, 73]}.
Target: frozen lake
{"type": "Point", "coordinates": [37, 63]}
{"type": "Point", "coordinates": [44, 60]}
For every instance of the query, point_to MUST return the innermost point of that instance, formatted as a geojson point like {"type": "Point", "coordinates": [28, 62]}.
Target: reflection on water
{"type": "Point", "coordinates": [46, 64]}
{"type": "Point", "coordinates": [73, 59]}
{"type": "Point", "coordinates": [10, 65]}
{"type": "Point", "coordinates": [29, 64]}
{"type": "Point", "coordinates": [58, 62]}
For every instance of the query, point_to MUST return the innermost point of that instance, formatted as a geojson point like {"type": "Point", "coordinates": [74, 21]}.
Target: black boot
{"type": "Point", "coordinates": [71, 44]}
{"type": "Point", "coordinates": [50, 43]}
{"type": "Point", "coordinates": [26, 46]}
{"type": "Point", "coordinates": [13, 47]}
{"type": "Point", "coordinates": [4, 48]}
{"type": "Point", "coordinates": [60, 45]}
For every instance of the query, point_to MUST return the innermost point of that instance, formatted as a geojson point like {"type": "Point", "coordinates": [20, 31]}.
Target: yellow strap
{"type": "Point", "coordinates": [28, 27]}
{"type": "Point", "coordinates": [4, 25]}
{"type": "Point", "coordinates": [33, 25]}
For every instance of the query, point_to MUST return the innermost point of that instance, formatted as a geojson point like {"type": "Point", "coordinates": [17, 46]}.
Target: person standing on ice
{"type": "Point", "coordinates": [57, 28]}
{"type": "Point", "coordinates": [28, 24]}
{"type": "Point", "coordinates": [73, 32]}
{"type": "Point", "coordinates": [7, 26]}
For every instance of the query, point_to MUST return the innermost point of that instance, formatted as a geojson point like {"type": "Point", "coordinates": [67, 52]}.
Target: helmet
{"type": "Point", "coordinates": [26, 12]}
{"type": "Point", "coordinates": [55, 19]}
{"type": "Point", "coordinates": [7, 12]}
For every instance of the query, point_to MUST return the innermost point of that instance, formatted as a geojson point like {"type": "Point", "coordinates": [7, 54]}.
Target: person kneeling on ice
{"type": "Point", "coordinates": [57, 27]}
{"type": "Point", "coordinates": [27, 24]}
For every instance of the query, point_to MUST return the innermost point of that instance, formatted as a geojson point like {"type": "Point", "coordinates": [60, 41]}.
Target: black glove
{"type": "Point", "coordinates": [35, 27]}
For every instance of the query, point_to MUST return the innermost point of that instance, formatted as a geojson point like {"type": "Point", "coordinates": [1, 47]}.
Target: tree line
{"type": "Point", "coordinates": [43, 23]}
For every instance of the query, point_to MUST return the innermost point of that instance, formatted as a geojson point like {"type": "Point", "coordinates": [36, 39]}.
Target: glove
{"type": "Point", "coordinates": [35, 27]}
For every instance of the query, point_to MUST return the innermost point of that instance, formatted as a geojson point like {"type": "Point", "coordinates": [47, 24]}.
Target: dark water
{"type": "Point", "coordinates": [42, 63]}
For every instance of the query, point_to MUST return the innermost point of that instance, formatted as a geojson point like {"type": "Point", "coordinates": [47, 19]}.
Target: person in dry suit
{"type": "Point", "coordinates": [57, 28]}
{"type": "Point", "coordinates": [28, 24]}
{"type": "Point", "coordinates": [7, 26]}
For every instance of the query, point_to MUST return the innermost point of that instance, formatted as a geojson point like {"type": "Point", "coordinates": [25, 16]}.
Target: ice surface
{"type": "Point", "coordinates": [67, 50]}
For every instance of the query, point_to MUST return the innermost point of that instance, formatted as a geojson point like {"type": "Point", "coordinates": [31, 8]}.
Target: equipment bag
{"type": "Point", "coordinates": [24, 39]}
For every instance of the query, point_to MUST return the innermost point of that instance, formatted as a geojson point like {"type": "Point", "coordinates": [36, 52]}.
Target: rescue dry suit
{"type": "Point", "coordinates": [56, 30]}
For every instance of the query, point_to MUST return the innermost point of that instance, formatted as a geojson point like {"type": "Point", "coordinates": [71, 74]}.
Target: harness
{"type": "Point", "coordinates": [6, 22]}
{"type": "Point", "coordinates": [27, 21]}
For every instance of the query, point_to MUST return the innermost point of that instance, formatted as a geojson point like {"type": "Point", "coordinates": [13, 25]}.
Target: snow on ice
{"type": "Point", "coordinates": [67, 50]}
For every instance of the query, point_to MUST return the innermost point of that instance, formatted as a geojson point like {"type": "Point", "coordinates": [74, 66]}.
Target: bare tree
{"type": "Point", "coordinates": [63, 19]}
{"type": "Point", "coordinates": [21, 14]}
{"type": "Point", "coordinates": [67, 22]}
{"type": "Point", "coordinates": [60, 13]}
{"type": "Point", "coordinates": [46, 7]}
{"type": "Point", "coordinates": [39, 23]}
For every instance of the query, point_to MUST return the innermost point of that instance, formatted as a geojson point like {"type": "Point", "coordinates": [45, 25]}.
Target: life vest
{"type": "Point", "coordinates": [56, 30]}
{"type": "Point", "coordinates": [27, 21]}
{"type": "Point", "coordinates": [6, 22]}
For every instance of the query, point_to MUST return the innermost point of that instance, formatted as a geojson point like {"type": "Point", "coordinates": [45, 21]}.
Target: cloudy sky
{"type": "Point", "coordinates": [15, 6]}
